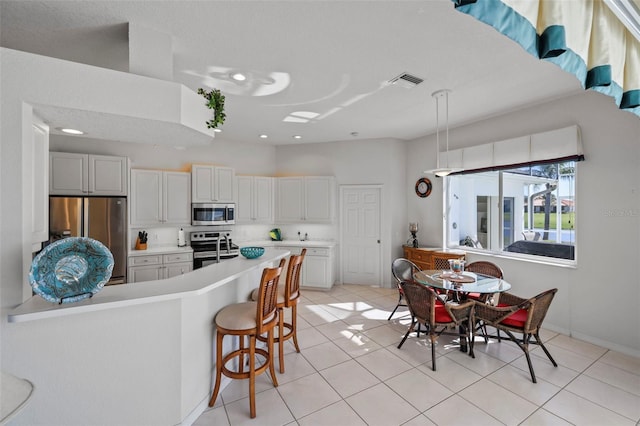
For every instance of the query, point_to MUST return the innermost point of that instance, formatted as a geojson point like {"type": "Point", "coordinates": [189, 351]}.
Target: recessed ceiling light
{"type": "Point", "coordinates": [217, 130]}
{"type": "Point", "coordinates": [72, 131]}
{"type": "Point", "coordinates": [297, 137]}
{"type": "Point", "coordinates": [263, 136]}
{"type": "Point", "coordinates": [238, 76]}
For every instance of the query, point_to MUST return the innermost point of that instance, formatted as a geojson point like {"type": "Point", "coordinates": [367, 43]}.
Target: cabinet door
{"type": "Point", "coordinates": [40, 185]}
{"type": "Point", "coordinates": [138, 274]}
{"type": "Point", "coordinates": [175, 269]}
{"type": "Point", "coordinates": [290, 205]}
{"type": "Point", "coordinates": [202, 184]}
{"type": "Point", "coordinates": [211, 183]}
{"type": "Point", "coordinates": [107, 175]}
{"type": "Point", "coordinates": [316, 272]}
{"type": "Point", "coordinates": [146, 197]}
{"type": "Point", "coordinates": [68, 173]}
{"type": "Point", "coordinates": [177, 198]}
{"type": "Point", "coordinates": [254, 199]}
{"type": "Point", "coordinates": [263, 199]}
{"type": "Point", "coordinates": [244, 203]}
{"type": "Point", "coordinates": [319, 199]}
{"type": "Point", "coordinates": [223, 183]}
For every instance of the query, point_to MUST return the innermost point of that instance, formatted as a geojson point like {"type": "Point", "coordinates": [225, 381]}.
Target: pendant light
{"type": "Point", "coordinates": [442, 171]}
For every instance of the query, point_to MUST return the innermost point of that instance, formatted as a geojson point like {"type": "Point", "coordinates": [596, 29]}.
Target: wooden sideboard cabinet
{"type": "Point", "coordinates": [431, 258]}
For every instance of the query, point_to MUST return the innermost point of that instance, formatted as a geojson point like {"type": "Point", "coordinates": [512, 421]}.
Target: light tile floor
{"type": "Point", "coordinates": [350, 372]}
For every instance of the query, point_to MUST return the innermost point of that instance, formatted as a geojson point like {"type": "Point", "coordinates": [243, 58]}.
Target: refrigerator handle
{"type": "Point", "coordinates": [85, 217]}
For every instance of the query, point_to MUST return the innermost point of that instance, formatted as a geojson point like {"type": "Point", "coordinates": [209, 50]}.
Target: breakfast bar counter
{"type": "Point", "coordinates": [127, 343]}
{"type": "Point", "coordinates": [196, 282]}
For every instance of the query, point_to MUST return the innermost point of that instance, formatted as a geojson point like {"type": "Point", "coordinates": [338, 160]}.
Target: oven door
{"type": "Point", "coordinates": [204, 259]}
{"type": "Point", "coordinates": [201, 263]}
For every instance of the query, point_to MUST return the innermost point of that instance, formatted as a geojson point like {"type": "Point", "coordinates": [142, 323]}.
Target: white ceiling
{"type": "Point", "coordinates": [331, 58]}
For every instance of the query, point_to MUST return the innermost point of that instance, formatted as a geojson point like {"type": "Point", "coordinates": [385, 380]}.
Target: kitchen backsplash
{"type": "Point", "coordinates": [169, 236]}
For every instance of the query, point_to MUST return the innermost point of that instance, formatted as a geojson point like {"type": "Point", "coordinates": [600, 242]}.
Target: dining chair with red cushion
{"type": "Point", "coordinates": [427, 308]}
{"type": "Point", "coordinates": [485, 268]}
{"type": "Point", "coordinates": [521, 316]}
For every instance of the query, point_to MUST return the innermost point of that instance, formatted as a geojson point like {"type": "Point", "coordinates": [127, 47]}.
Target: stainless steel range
{"type": "Point", "coordinates": [212, 247]}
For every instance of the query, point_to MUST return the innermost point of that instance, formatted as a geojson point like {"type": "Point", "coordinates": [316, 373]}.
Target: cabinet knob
{"type": "Point", "coordinates": [378, 241]}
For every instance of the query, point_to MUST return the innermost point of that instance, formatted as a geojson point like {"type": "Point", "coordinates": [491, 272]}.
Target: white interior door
{"type": "Point", "coordinates": [360, 234]}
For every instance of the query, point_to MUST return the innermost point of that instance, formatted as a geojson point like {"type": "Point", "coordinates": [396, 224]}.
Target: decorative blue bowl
{"type": "Point", "coordinates": [252, 252]}
{"type": "Point", "coordinates": [71, 269]}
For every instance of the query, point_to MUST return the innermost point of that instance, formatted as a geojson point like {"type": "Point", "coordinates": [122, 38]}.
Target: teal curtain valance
{"type": "Point", "coordinates": [582, 37]}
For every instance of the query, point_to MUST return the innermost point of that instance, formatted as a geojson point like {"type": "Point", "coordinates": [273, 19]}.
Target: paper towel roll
{"type": "Point", "coordinates": [181, 240]}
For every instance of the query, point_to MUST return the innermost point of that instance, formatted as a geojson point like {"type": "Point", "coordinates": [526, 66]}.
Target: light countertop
{"type": "Point", "coordinates": [194, 283]}
{"type": "Point", "coordinates": [289, 243]}
{"type": "Point", "coordinates": [160, 250]}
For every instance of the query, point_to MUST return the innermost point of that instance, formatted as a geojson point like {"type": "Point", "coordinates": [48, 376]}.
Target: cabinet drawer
{"type": "Point", "coordinates": [145, 260]}
{"type": "Point", "coordinates": [318, 252]}
{"type": "Point", "coordinates": [421, 256]}
{"type": "Point", "coordinates": [178, 257]}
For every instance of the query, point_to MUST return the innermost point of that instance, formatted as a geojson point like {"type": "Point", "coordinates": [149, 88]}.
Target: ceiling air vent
{"type": "Point", "coordinates": [406, 80]}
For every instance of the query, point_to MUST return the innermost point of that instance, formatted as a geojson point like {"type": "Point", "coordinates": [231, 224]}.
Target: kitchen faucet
{"type": "Point", "coordinates": [226, 239]}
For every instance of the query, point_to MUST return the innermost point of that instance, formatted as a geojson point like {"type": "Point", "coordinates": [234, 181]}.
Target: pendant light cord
{"type": "Point", "coordinates": [446, 98]}
{"type": "Point", "coordinates": [437, 132]}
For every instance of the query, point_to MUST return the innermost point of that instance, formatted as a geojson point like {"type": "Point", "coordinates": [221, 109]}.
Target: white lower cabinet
{"type": "Point", "coordinates": [158, 266]}
{"type": "Point", "coordinates": [317, 267]}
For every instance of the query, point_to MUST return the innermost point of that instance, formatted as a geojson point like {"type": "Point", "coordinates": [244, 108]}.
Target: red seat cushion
{"type": "Point", "coordinates": [475, 296]}
{"type": "Point", "coordinates": [441, 314]}
{"type": "Point", "coordinates": [517, 319]}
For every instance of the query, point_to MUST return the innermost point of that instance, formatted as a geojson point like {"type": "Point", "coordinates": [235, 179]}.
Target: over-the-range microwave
{"type": "Point", "coordinates": [213, 214]}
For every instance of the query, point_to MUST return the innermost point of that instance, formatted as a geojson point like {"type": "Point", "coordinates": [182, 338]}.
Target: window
{"type": "Point", "coordinates": [523, 211]}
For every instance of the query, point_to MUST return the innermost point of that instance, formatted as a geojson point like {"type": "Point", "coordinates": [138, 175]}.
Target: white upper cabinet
{"type": "Point", "coordinates": [160, 197]}
{"type": "Point", "coordinates": [306, 198]}
{"type": "Point", "coordinates": [86, 174]}
{"type": "Point", "coordinates": [212, 184]}
{"type": "Point", "coordinates": [254, 199]}
{"type": "Point", "coordinates": [177, 198]}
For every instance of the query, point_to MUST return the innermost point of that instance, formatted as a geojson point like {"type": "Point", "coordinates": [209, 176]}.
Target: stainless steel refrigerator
{"type": "Point", "coordinates": [101, 218]}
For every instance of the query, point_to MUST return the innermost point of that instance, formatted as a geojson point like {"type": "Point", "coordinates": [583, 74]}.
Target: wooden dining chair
{"type": "Point", "coordinates": [517, 315]}
{"type": "Point", "coordinates": [437, 317]}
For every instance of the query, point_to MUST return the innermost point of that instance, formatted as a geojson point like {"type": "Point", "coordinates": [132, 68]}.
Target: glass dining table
{"type": "Point", "coordinates": [461, 285]}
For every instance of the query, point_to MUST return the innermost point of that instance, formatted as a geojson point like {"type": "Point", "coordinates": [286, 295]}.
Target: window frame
{"type": "Point", "coordinates": [454, 241]}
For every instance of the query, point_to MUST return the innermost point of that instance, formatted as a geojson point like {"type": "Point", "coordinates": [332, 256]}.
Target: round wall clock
{"type": "Point", "coordinates": [423, 187]}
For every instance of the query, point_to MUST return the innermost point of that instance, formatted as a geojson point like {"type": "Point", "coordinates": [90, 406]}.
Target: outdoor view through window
{"type": "Point", "coordinates": [527, 210]}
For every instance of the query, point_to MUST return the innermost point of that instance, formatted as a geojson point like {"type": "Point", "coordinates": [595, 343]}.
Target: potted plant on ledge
{"type": "Point", "coordinates": [215, 101]}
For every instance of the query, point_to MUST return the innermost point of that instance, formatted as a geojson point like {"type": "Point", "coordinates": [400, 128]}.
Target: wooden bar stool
{"type": "Point", "coordinates": [249, 319]}
{"type": "Point", "coordinates": [288, 295]}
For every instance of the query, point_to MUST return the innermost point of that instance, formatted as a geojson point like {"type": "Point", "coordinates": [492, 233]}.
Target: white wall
{"type": "Point", "coordinates": [594, 301]}
{"type": "Point", "coordinates": [379, 161]}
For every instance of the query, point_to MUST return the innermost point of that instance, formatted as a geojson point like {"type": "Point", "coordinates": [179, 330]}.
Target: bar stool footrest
{"type": "Point", "coordinates": [244, 354]}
